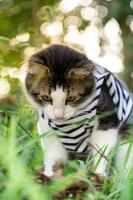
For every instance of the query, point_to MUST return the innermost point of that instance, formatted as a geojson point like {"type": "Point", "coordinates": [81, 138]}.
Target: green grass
{"type": "Point", "coordinates": [21, 157]}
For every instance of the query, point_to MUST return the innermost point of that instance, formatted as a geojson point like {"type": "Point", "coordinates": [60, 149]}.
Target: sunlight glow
{"type": "Point", "coordinates": [24, 37]}
{"type": "Point", "coordinates": [4, 71]}
{"type": "Point", "coordinates": [102, 11]}
{"type": "Point", "coordinates": [73, 20]}
{"type": "Point", "coordinates": [111, 29]}
{"type": "Point", "coordinates": [22, 72]}
{"type": "Point", "coordinates": [29, 51]}
{"type": "Point", "coordinates": [68, 5]}
{"type": "Point", "coordinates": [4, 87]}
{"type": "Point", "coordinates": [90, 41]}
{"type": "Point", "coordinates": [85, 2]}
{"type": "Point", "coordinates": [111, 62]}
{"type": "Point", "coordinates": [53, 29]}
{"type": "Point", "coordinates": [72, 36]}
{"type": "Point", "coordinates": [88, 13]}
{"type": "Point", "coordinates": [129, 19]}
{"type": "Point", "coordinates": [112, 47]}
{"type": "Point", "coordinates": [101, 43]}
{"type": "Point", "coordinates": [14, 72]}
{"type": "Point", "coordinates": [131, 25]}
{"type": "Point", "coordinates": [131, 4]}
{"type": "Point", "coordinates": [10, 71]}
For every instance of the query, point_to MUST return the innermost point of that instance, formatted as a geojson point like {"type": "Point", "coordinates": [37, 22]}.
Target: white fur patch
{"type": "Point", "coordinates": [58, 99]}
{"type": "Point", "coordinates": [54, 151]}
{"type": "Point", "coordinates": [59, 110]}
{"type": "Point", "coordinates": [103, 139]}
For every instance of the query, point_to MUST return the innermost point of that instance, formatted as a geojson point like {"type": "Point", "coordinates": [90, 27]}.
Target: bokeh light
{"type": "Point", "coordinates": [72, 36]}
{"type": "Point", "coordinates": [88, 13]}
{"type": "Point", "coordinates": [102, 11]}
{"type": "Point", "coordinates": [131, 4]}
{"type": "Point", "coordinates": [4, 88]}
{"type": "Point", "coordinates": [72, 20]}
{"type": "Point", "coordinates": [90, 41]}
{"type": "Point", "coordinates": [29, 51]}
{"type": "Point", "coordinates": [111, 62]}
{"type": "Point", "coordinates": [131, 25]}
{"type": "Point", "coordinates": [111, 29]}
{"type": "Point", "coordinates": [24, 37]}
{"type": "Point", "coordinates": [68, 5]}
{"type": "Point", "coordinates": [85, 2]}
{"type": "Point", "coordinates": [53, 29]}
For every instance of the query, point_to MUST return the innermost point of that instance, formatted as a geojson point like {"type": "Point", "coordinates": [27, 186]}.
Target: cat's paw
{"type": "Point", "coordinates": [58, 172]}
{"type": "Point", "coordinates": [55, 173]}
{"type": "Point", "coordinates": [46, 176]}
{"type": "Point", "coordinates": [48, 172]}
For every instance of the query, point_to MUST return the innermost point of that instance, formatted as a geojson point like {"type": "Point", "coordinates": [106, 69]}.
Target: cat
{"type": "Point", "coordinates": [71, 92]}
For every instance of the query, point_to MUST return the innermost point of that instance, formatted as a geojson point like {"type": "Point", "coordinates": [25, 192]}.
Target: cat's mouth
{"type": "Point", "coordinates": [59, 119]}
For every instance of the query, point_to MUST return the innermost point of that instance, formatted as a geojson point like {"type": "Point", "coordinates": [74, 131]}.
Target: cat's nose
{"type": "Point", "coordinates": [59, 114]}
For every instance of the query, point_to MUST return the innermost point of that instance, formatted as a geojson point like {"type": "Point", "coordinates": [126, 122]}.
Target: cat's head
{"type": "Point", "coordinates": [60, 80]}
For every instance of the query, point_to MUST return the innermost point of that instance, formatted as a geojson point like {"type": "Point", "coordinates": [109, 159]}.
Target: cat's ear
{"type": "Point", "coordinates": [79, 72]}
{"type": "Point", "coordinates": [37, 68]}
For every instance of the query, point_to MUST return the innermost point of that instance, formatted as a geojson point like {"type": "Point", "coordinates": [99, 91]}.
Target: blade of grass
{"type": "Point", "coordinates": [102, 152]}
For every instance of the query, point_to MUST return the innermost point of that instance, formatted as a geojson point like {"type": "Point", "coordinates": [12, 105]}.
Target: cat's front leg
{"type": "Point", "coordinates": [54, 152]}
{"type": "Point", "coordinates": [102, 141]}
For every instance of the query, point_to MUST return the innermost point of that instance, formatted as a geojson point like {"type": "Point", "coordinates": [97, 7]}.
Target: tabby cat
{"type": "Point", "coordinates": [72, 95]}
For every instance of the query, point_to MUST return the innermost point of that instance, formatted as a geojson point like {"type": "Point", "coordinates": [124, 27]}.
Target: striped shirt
{"type": "Point", "coordinates": [74, 132]}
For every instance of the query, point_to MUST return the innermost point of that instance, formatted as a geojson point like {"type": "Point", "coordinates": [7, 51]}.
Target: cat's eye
{"type": "Point", "coordinates": [46, 98]}
{"type": "Point", "coordinates": [71, 98]}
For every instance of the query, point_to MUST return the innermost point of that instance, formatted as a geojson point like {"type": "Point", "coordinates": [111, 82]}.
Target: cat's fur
{"type": "Point", "coordinates": [60, 81]}
{"type": "Point", "coordinates": [60, 67]}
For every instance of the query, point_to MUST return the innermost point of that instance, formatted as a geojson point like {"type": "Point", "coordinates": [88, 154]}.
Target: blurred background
{"type": "Point", "coordinates": [103, 29]}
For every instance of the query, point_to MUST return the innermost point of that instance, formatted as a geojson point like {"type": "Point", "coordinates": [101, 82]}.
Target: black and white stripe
{"type": "Point", "coordinates": [74, 132]}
